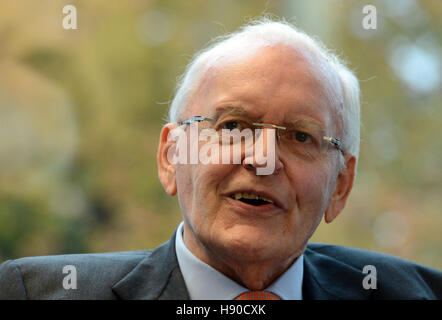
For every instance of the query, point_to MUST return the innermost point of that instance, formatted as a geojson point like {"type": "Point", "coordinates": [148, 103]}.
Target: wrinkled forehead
{"type": "Point", "coordinates": [269, 77]}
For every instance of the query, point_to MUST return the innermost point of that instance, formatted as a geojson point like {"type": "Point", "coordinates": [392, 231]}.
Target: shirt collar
{"type": "Point", "coordinates": [205, 283]}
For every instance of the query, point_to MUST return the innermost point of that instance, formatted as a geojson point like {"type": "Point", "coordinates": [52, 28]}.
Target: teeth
{"type": "Point", "coordinates": [246, 195]}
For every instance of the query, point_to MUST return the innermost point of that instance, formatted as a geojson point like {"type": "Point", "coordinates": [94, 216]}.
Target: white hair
{"type": "Point", "coordinates": [266, 33]}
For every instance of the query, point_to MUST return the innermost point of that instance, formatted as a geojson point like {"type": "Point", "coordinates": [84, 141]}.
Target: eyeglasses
{"type": "Point", "coordinates": [303, 138]}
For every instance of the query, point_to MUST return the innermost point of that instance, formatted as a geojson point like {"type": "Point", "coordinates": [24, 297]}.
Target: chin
{"type": "Point", "coordinates": [248, 246]}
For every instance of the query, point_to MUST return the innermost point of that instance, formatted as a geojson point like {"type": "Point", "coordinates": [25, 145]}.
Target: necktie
{"type": "Point", "coordinates": [257, 295]}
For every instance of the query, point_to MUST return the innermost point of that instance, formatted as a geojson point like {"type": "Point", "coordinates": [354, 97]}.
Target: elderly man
{"type": "Point", "coordinates": [251, 207]}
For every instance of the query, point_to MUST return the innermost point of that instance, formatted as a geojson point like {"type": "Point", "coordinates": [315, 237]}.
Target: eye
{"type": "Point", "coordinates": [231, 125]}
{"type": "Point", "coordinates": [301, 136]}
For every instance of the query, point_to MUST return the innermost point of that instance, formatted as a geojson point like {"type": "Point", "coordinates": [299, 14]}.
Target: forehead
{"type": "Point", "coordinates": [275, 84]}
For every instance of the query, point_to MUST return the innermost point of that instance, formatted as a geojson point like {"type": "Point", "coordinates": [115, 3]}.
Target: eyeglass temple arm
{"type": "Point", "coordinates": [194, 119]}
{"type": "Point", "coordinates": [334, 141]}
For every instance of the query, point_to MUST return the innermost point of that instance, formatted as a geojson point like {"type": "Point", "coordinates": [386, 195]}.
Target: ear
{"type": "Point", "coordinates": [166, 169]}
{"type": "Point", "coordinates": [343, 187]}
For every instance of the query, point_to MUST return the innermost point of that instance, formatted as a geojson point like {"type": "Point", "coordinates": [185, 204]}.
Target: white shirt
{"type": "Point", "coordinates": [205, 283]}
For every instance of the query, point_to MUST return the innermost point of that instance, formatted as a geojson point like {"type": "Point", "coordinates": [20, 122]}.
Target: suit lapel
{"type": "Point", "coordinates": [326, 278]}
{"type": "Point", "coordinates": [157, 276]}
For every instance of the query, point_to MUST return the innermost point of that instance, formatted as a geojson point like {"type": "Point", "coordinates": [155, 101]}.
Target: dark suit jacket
{"type": "Point", "coordinates": [330, 272]}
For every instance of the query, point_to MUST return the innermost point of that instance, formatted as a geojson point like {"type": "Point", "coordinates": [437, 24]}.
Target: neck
{"type": "Point", "coordinates": [257, 275]}
{"type": "Point", "coordinates": [251, 273]}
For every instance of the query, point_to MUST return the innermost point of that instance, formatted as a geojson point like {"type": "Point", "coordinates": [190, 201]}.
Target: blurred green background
{"type": "Point", "coordinates": [81, 111]}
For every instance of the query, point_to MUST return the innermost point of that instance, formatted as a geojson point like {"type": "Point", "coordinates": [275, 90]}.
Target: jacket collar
{"type": "Point", "coordinates": [157, 276]}
{"type": "Point", "coordinates": [326, 278]}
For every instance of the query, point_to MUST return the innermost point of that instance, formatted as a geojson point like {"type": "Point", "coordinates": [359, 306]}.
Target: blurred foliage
{"type": "Point", "coordinates": [81, 111]}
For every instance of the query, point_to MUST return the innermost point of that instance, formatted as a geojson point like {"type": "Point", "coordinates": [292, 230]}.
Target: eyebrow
{"type": "Point", "coordinates": [229, 110]}
{"type": "Point", "coordinates": [308, 124]}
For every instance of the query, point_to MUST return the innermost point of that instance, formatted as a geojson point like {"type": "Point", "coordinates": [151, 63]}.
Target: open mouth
{"type": "Point", "coordinates": [251, 198]}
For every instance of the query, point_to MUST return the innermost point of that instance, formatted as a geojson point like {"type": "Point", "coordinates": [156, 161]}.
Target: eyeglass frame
{"type": "Point", "coordinates": [336, 142]}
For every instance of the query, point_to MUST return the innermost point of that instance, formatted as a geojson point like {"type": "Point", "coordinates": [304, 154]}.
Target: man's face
{"type": "Point", "coordinates": [278, 86]}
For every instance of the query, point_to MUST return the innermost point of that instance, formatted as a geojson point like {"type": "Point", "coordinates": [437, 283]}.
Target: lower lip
{"type": "Point", "coordinates": [265, 209]}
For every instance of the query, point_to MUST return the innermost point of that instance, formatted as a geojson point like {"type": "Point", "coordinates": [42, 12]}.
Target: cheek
{"type": "Point", "coordinates": [184, 187]}
{"type": "Point", "coordinates": [313, 189]}
{"type": "Point", "coordinates": [199, 186]}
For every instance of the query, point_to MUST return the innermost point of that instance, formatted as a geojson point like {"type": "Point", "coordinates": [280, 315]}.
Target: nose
{"type": "Point", "coordinates": [263, 152]}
